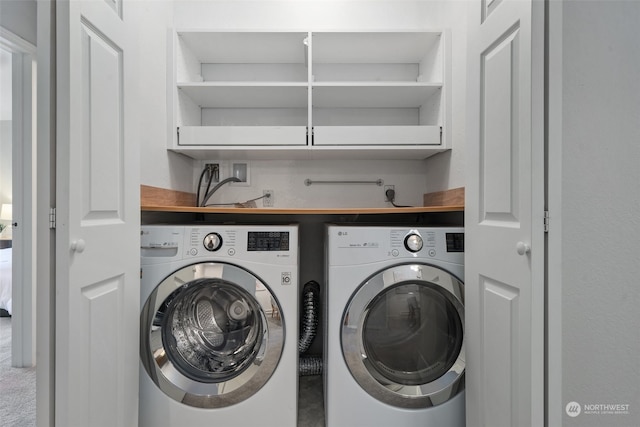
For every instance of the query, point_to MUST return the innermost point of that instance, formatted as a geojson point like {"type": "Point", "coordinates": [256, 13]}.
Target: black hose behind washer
{"type": "Point", "coordinates": [309, 365]}
{"type": "Point", "coordinates": [309, 312]}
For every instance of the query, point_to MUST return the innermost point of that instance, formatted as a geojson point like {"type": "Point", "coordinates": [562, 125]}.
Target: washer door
{"type": "Point", "coordinates": [206, 340]}
{"type": "Point", "coordinates": [403, 336]}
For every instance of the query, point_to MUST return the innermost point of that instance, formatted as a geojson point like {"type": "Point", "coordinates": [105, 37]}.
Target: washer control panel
{"type": "Point", "coordinates": [413, 242]}
{"type": "Point", "coordinates": [212, 242]}
{"type": "Point", "coordinates": [270, 244]}
{"type": "Point", "coordinates": [259, 243]}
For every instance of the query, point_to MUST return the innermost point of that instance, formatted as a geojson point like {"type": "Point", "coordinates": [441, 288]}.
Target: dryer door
{"type": "Point", "coordinates": [206, 340]}
{"type": "Point", "coordinates": [403, 335]}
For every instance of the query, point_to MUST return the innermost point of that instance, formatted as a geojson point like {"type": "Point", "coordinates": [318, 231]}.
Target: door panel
{"type": "Point", "coordinates": [98, 226]}
{"type": "Point", "coordinates": [504, 261]}
{"type": "Point", "coordinates": [500, 315]}
{"type": "Point", "coordinates": [499, 139]}
{"type": "Point", "coordinates": [102, 140]}
{"type": "Point", "coordinates": [488, 6]}
{"type": "Point", "coordinates": [97, 307]}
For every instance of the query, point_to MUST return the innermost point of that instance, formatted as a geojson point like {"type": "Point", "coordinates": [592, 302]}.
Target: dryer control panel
{"type": "Point", "coordinates": [351, 245]}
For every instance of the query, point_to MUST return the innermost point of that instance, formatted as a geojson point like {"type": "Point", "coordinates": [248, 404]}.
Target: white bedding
{"type": "Point", "coordinates": [5, 279]}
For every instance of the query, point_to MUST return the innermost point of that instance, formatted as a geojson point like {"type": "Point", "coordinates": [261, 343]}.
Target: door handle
{"type": "Point", "coordinates": [522, 248]}
{"type": "Point", "coordinates": [78, 246]}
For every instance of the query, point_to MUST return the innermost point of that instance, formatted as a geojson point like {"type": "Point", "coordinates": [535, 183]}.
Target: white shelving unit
{"type": "Point", "coordinates": [309, 94]}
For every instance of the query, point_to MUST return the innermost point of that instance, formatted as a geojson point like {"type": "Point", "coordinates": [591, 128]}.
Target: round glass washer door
{"type": "Point", "coordinates": [206, 340]}
{"type": "Point", "coordinates": [403, 336]}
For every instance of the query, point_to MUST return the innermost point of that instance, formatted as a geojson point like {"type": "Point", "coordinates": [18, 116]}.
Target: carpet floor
{"type": "Point", "coordinates": [17, 385]}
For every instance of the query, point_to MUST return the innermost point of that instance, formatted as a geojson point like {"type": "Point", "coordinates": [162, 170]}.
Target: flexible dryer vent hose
{"type": "Point", "coordinates": [309, 365]}
{"type": "Point", "coordinates": [309, 311]}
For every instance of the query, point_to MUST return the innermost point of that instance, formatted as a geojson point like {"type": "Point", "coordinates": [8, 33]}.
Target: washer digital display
{"type": "Point", "coordinates": [455, 242]}
{"type": "Point", "coordinates": [268, 241]}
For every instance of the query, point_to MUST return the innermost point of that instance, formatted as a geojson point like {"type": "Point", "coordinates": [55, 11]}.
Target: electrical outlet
{"type": "Point", "coordinates": [267, 201]}
{"type": "Point", "coordinates": [388, 187]}
{"type": "Point", "coordinates": [215, 167]}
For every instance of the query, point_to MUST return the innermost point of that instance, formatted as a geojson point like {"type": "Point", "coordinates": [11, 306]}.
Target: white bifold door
{"type": "Point", "coordinates": [98, 221]}
{"type": "Point", "coordinates": [505, 214]}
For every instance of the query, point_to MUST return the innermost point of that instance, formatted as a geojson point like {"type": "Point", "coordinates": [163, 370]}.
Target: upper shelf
{"type": "Point", "coordinates": [248, 47]}
{"type": "Point", "coordinates": [373, 47]}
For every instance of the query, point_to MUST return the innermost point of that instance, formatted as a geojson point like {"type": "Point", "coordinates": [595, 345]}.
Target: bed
{"type": "Point", "coordinates": [5, 279]}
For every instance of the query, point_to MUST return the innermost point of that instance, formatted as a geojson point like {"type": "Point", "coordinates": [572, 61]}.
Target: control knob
{"type": "Point", "coordinates": [413, 243]}
{"type": "Point", "coordinates": [212, 242]}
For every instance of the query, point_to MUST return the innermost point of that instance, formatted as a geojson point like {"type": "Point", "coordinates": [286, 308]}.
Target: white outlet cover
{"type": "Point", "coordinates": [240, 167]}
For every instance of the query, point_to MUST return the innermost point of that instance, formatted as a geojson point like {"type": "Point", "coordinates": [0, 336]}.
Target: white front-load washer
{"type": "Point", "coordinates": [219, 325]}
{"type": "Point", "coordinates": [394, 343]}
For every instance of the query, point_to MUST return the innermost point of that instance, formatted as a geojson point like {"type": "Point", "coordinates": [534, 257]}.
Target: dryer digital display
{"type": "Point", "coordinates": [268, 241]}
{"type": "Point", "coordinates": [455, 242]}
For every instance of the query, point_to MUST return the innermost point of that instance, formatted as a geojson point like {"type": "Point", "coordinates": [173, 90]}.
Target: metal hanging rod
{"type": "Point", "coordinates": [377, 182]}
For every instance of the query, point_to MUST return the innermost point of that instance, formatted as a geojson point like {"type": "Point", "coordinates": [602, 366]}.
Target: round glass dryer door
{"type": "Point", "coordinates": [206, 339]}
{"type": "Point", "coordinates": [403, 336]}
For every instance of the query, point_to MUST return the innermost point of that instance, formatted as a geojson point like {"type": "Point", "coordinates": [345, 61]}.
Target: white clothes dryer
{"type": "Point", "coordinates": [394, 343]}
{"type": "Point", "coordinates": [219, 325]}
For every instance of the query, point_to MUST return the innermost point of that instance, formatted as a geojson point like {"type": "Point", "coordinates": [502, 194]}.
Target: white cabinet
{"type": "Point", "coordinates": [308, 94]}
{"type": "Point", "coordinates": [373, 88]}
{"type": "Point", "coordinates": [231, 89]}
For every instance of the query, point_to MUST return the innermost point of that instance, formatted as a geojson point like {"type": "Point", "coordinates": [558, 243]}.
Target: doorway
{"type": "Point", "coordinates": [17, 182]}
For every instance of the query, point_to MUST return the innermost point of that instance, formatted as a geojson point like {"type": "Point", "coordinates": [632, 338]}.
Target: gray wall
{"type": "Point", "coordinates": [599, 276]}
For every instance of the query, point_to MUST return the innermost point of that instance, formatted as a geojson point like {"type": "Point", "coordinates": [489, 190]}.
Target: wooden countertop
{"type": "Point", "coordinates": [298, 211]}
{"type": "Point", "coordinates": [154, 199]}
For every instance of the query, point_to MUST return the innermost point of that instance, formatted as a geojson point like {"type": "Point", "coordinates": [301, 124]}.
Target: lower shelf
{"type": "Point", "coordinates": [234, 136]}
{"type": "Point", "coordinates": [340, 136]}
{"type": "Point", "coordinates": [291, 142]}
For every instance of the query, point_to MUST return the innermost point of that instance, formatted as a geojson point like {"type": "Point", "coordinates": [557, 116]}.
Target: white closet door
{"type": "Point", "coordinates": [98, 219]}
{"type": "Point", "coordinates": [504, 214]}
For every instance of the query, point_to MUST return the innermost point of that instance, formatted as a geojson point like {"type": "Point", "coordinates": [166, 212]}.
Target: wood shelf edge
{"type": "Point", "coordinates": [157, 196]}
{"type": "Point", "coordinates": [454, 197]}
{"type": "Point", "coordinates": [299, 211]}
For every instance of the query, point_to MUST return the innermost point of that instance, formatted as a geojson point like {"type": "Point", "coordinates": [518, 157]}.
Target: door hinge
{"type": "Point", "coordinates": [546, 222]}
{"type": "Point", "coordinates": [52, 218]}
{"type": "Point", "coordinates": [310, 141]}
